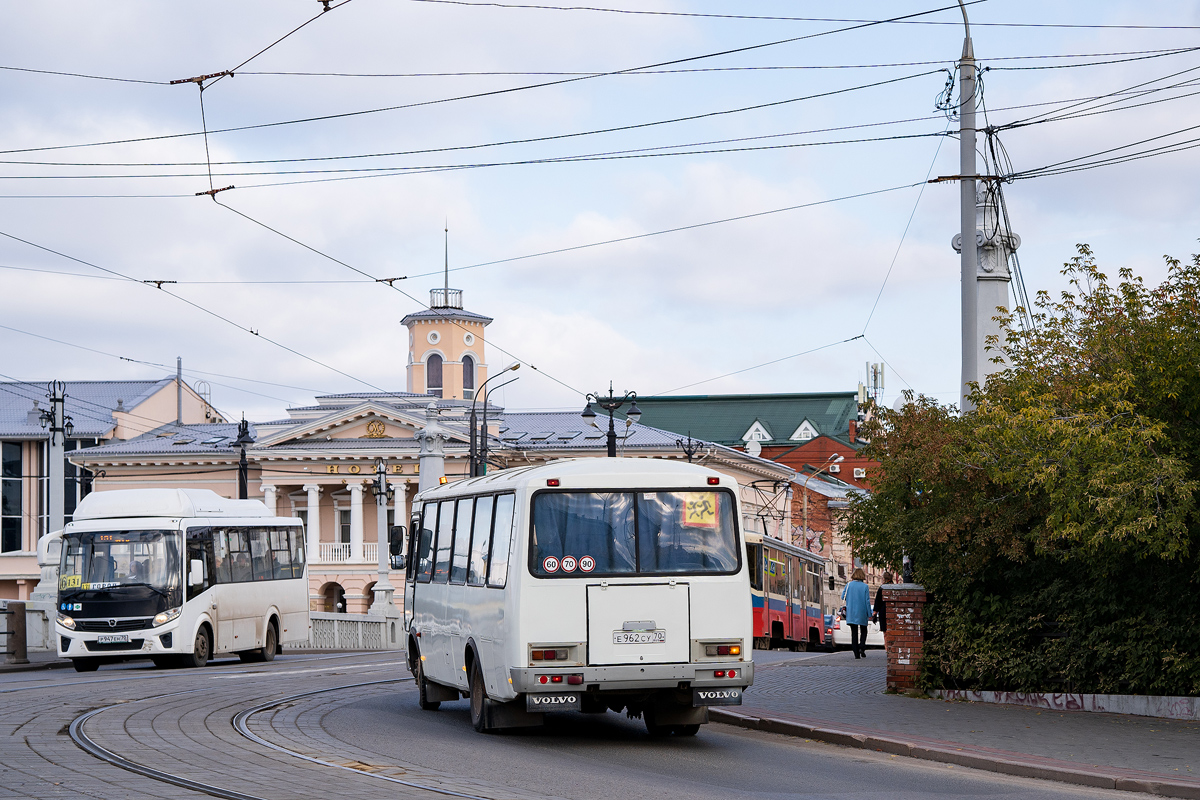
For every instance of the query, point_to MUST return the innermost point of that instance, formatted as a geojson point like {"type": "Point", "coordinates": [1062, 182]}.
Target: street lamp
{"type": "Point", "coordinates": [479, 453]}
{"type": "Point", "coordinates": [611, 404]}
{"type": "Point", "coordinates": [834, 458]}
{"type": "Point", "coordinates": [383, 495]}
{"type": "Point", "coordinates": [243, 439]}
{"type": "Point", "coordinates": [690, 447]}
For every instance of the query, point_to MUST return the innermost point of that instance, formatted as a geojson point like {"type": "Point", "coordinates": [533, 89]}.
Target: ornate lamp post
{"type": "Point", "coordinates": [689, 447]}
{"type": "Point", "coordinates": [61, 426]}
{"type": "Point", "coordinates": [611, 404]}
{"type": "Point", "coordinates": [383, 495]}
{"type": "Point", "coordinates": [243, 440]}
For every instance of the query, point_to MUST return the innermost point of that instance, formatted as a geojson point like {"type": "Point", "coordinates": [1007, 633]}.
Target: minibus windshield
{"type": "Point", "coordinates": [103, 561]}
{"type": "Point", "coordinates": [577, 534]}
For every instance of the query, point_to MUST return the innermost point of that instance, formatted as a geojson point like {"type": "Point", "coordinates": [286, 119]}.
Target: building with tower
{"type": "Point", "coordinates": [445, 348]}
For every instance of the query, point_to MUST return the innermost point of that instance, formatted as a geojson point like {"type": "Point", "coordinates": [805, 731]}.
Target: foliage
{"type": "Point", "coordinates": [1056, 525]}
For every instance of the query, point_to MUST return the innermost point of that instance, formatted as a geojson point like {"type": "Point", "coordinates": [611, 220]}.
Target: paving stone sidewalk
{"type": "Point", "coordinates": [837, 692]}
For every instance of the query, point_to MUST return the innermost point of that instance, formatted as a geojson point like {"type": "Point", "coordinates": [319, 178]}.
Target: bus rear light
{"type": "Point", "coordinates": [575, 680]}
{"type": "Point", "coordinates": [543, 678]}
{"type": "Point", "coordinates": [713, 481]}
{"type": "Point", "coordinates": [552, 481]}
{"type": "Point", "coordinates": [732, 673]}
{"type": "Point", "coordinates": [718, 673]}
{"type": "Point", "coordinates": [723, 650]}
{"type": "Point", "coordinates": [556, 678]}
{"type": "Point", "coordinates": [548, 655]}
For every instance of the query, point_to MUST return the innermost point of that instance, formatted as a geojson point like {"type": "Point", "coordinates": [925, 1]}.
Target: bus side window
{"type": "Point", "coordinates": [296, 541]}
{"type": "Point", "coordinates": [426, 544]}
{"type": "Point", "coordinates": [281, 557]}
{"type": "Point", "coordinates": [239, 555]}
{"type": "Point", "coordinates": [754, 560]}
{"type": "Point", "coordinates": [196, 551]}
{"type": "Point", "coordinates": [462, 539]}
{"type": "Point", "coordinates": [221, 562]}
{"type": "Point", "coordinates": [260, 554]}
{"type": "Point", "coordinates": [481, 542]}
{"type": "Point", "coordinates": [414, 538]}
{"type": "Point", "coordinates": [502, 534]}
{"type": "Point", "coordinates": [445, 539]}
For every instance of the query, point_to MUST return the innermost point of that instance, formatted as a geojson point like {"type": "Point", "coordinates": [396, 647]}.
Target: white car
{"type": "Point", "coordinates": [841, 633]}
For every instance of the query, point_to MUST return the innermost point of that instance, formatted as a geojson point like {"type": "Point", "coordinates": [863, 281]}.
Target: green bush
{"type": "Point", "coordinates": [1055, 526]}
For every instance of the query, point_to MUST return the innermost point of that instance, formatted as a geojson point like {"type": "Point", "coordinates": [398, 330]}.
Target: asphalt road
{"type": "Point", "coordinates": [364, 737]}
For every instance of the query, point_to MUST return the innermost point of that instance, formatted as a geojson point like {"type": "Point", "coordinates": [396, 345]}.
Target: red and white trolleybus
{"type": "Point", "coordinates": [785, 594]}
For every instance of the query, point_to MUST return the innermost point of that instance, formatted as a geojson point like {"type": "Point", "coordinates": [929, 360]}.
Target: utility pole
{"type": "Point", "coordinates": [60, 426]}
{"type": "Point", "coordinates": [967, 172]}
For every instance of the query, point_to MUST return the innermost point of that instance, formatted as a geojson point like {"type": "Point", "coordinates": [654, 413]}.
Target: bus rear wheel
{"type": "Point", "coordinates": [478, 699]}
{"type": "Point", "coordinates": [686, 730]}
{"type": "Point", "coordinates": [423, 689]}
{"type": "Point", "coordinates": [200, 650]}
{"type": "Point", "coordinates": [267, 652]}
{"type": "Point", "coordinates": [85, 664]}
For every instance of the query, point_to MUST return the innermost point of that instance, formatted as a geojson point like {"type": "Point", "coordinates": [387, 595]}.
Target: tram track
{"type": "Point", "coordinates": [240, 723]}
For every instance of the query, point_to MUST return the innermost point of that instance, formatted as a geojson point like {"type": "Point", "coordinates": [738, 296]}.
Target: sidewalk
{"type": "Point", "coordinates": [37, 661]}
{"type": "Point", "coordinates": [832, 697]}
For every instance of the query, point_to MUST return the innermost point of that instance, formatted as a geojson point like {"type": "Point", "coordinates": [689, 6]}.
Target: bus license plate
{"type": "Point", "coordinates": [640, 637]}
{"type": "Point", "coordinates": [113, 638]}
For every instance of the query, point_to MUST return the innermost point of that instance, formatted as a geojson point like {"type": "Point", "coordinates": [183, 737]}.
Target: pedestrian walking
{"type": "Point", "coordinates": [880, 606]}
{"type": "Point", "coordinates": [858, 611]}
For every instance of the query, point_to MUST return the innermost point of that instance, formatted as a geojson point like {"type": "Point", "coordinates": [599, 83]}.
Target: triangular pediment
{"type": "Point", "coordinates": [365, 421]}
{"type": "Point", "coordinates": [804, 432]}
{"type": "Point", "coordinates": [757, 433]}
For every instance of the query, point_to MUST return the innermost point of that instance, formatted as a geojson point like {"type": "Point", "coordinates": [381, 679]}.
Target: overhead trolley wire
{"type": "Point", "coordinates": [197, 306]}
{"type": "Point", "coordinates": [490, 93]}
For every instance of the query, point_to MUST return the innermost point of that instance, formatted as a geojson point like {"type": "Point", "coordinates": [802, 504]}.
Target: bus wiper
{"type": "Point", "coordinates": [152, 587]}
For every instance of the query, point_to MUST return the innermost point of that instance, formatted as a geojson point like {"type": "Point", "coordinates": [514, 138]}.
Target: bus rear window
{"type": "Point", "coordinates": [623, 533]}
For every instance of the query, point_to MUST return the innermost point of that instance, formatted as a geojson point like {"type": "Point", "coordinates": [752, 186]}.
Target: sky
{"type": "Point", "coordinates": [743, 208]}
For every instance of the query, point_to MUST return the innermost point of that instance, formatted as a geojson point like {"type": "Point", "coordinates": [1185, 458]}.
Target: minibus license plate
{"type": "Point", "coordinates": [640, 637]}
{"type": "Point", "coordinates": [113, 638]}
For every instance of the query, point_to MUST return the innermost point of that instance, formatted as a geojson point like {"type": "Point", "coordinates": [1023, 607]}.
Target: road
{"type": "Point", "coordinates": [348, 726]}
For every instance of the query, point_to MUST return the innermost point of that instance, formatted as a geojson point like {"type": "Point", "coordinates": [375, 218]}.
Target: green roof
{"type": "Point", "coordinates": [726, 418]}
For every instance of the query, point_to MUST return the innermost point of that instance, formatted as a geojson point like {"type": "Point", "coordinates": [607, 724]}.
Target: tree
{"type": "Point", "coordinates": [1056, 526]}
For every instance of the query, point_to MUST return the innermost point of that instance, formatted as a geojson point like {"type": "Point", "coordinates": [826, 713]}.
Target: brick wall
{"type": "Point", "coordinates": [905, 634]}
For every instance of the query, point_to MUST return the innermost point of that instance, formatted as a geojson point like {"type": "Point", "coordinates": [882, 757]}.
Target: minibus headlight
{"type": "Point", "coordinates": [163, 617]}
{"type": "Point", "coordinates": [65, 621]}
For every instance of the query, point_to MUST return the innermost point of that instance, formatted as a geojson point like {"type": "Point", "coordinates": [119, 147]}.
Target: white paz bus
{"type": "Point", "coordinates": [584, 585]}
{"type": "Point", "coordinates": [178, 575]}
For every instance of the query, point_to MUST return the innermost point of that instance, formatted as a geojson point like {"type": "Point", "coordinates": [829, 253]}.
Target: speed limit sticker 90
{"type": "Point", "coordinates": [550, 564]}
{"type": "Point", "coordinates": [587, 564]}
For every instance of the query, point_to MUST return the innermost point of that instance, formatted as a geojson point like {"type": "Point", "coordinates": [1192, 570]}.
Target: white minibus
{"type": "Point", "coordinates": [178, 575]}
{"type": "Point", "coordinates": [584, 585]}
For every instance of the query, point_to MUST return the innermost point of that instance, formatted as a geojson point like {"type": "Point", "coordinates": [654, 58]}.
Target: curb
{"type": "Point", "coordinates": [34, 666]}
{"type": "Point", "coordinates": [1057, 771]}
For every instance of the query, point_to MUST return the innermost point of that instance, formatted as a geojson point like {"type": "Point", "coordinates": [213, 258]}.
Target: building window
{"type": "Point", "coordinates": [10, 497]}
{"type": "Point", "coordinates": [344, 525]}
{"type": "Point", "coordinates": [433, 375]}
{"type": "Point", "coordinates": [468, 378]}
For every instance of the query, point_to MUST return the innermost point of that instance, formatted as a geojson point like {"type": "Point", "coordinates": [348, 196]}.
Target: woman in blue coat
{"type": "Point", "coordinates": [858, 610]}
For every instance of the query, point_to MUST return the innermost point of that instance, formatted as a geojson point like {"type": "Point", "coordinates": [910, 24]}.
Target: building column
{"type": "Point", "coordinates": [356, 522]}
{"type": "Point", "coordinates": [269, 498]}
{"type": "Point", "coordinates": [314, 522]}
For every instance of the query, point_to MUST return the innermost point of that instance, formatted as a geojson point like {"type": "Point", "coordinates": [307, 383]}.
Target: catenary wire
{"type": "Point", "coordinates": [197, 306]}
{"type": "Point", "coordinates": [494, 92]}
{"type": "Point", "coordinates": [757, 366]}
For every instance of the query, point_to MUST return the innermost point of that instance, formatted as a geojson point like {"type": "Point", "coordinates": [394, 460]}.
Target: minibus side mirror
{"type": "Point", "coordinates": [196, 573]}
{"type": "Point", "coordinates": [396, 541]}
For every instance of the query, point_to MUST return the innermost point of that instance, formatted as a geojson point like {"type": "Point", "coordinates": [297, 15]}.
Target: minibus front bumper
{"type": "Point", "coordinates": [633, 677]}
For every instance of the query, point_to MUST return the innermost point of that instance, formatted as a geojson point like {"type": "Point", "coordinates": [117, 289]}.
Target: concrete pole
{"type": "Point", "coordinates": [56, 458]}
{"type": "Point", "coordinates": [432, 457]}
{"type": "Point", "coordinates": [969, 255]}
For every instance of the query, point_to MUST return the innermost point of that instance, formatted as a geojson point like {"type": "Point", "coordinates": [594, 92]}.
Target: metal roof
{"type": "Point", "coordinates": [89, 403]}
{"type": "Point", "coordinates": [446, 313]}
{"type": "Point", "coordinates": [726, 418]}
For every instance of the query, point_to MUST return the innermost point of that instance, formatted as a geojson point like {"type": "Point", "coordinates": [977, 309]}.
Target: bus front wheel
{"type": "Point", "coordinates": [478, 699]}
{"type": "Point", "coordinates": [200, 650]}
{"type": "Point", "coordinates": [423, 689]}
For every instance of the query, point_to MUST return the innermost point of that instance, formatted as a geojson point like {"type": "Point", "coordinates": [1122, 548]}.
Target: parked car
{"type": "Point", "coordinates": [830, 622]}
{"type": "Point", "coordinates": [841, 634]}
